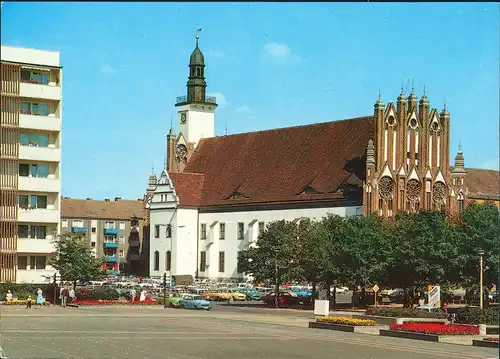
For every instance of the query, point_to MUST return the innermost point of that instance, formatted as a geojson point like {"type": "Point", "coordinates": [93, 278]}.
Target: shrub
{"type": "Point", "coordinates": [346, 321]}
{"type": "Point", "coordinates": [436, 328]}
{"type": "Point", "coordinates": [103, 293]}
{"type": "Point", "coordinates": [492, 339]}
{"type": "Point", "coordinates": [404, 313]}
{"type": "Point", "coordinates": [470, 315]}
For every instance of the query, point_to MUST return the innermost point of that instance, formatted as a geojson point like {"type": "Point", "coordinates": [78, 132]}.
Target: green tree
{"type": "Point", "coordinates": [423, 251]}
{"type": "Point", "coordinates": [73, 259]}
{"type": "Point", "coordinates": [479, 228]}
{"type": "Point", "coordinates": [273, 258]}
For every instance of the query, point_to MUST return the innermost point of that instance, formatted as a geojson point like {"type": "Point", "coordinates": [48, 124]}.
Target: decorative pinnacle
{"type": "Point", "coordinates": [412, 86]}
{"type": "Point", "coordinates": [153, 168]}
{"type": "Point", "coordinates": [379, 96]}
{"type": "Point", "coordinates": [459, 146]}
{"type": "Point", "coordinates": [445, 103]}
{"type": "Point", "coordinates": [424, 90]}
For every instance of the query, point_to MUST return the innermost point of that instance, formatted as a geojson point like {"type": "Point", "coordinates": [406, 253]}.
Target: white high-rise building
{"type": "Point", "coordinates": [30, 162]}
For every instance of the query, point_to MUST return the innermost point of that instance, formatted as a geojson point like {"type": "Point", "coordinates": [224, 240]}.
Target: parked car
{"type": "Point", "coordinates": [194, 301]}
{"type": "Point", "coordinates": [237, 295]}
{"type": "Point", "coordinates": [285, 298]}
{"type": "Point", "coordinates": [174, 302]}
{"type": "Point", "coordinates": [251, 294]}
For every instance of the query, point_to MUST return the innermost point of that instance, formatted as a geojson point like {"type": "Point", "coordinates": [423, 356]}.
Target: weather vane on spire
{"type": "Point", "coordinates": [197, 35]}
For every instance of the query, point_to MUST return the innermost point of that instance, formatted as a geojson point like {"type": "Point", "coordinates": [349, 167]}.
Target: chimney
{"type": "Point", "coordinates": [88, 198]}
{"type": "Point", "coordinates": [117, 199]}
{"type": "Point", "coordinates": [106, 199]}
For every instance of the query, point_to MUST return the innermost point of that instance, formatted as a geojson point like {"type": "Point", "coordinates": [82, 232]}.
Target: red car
{"type": "Point", "coordinates": [284, 299]}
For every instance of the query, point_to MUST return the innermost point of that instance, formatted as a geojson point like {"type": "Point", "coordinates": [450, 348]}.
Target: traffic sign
{"type": "Point", "coordinates": [375, 288]}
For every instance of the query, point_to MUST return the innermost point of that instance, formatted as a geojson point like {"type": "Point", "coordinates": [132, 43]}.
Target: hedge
{"type": "Point", "coordinates": [404, 313]}
{"type": "Point", "coordinates": [23, 290]}
{"type": "Point", "coordinates": [96, 293]}
{"type": "Point", "coordinates": [22, 302]}
{"type": "Point", "coordinates": [473, 315]}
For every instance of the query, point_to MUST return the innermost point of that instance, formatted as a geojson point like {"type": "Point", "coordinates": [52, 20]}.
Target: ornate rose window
{"type": "Point", "coordinates": [386, 188]}
{"type": "Point", "coordinates": [413, 189]}
{"type": "Point", "coordinates": [438, 193]}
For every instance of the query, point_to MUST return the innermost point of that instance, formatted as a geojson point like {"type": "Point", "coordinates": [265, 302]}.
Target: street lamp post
{"type": "Point", "coordinates": [164, 289]}
{"type": "Point", "coordinates": [481, 254]}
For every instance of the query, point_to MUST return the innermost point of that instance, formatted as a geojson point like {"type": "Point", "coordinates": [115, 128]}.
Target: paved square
{"type": "Point", "coordinates": [223, 333]}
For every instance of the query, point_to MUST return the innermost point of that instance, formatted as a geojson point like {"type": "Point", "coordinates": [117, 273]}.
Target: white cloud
{"type": "Point", "coordinates": [109, 70]}
{"type": "Point", "coordinates": [221, 99]}
{"type": "Point", "coordinates": [243, 109]}
{"type": "Point", "coordinates": [280, 52]}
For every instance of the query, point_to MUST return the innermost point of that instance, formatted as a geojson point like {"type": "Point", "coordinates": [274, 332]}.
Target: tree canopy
{"type": "Point", "coordinates": [73, 259]}
{"type": "Point", "coordinates": [410, 252]}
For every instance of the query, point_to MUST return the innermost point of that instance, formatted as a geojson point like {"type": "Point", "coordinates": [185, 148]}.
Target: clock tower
{"type": "Point", "coordinates": [195, 110]}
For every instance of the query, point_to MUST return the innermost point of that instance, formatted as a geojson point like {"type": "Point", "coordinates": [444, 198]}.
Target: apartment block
{"type": "Point", "coordinates": [30, 162]}
{"type": "Point", "coordinates": [113, 229]}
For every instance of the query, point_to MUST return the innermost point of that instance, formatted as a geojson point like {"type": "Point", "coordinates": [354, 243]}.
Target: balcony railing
{"type": "Point", "coordinates": [111, 259]}
{"type": "Point", "coordinates": [184, 99]}
{"type": "Point", "coordinates": [111, 244]}
{"type": "Point", "coordinates": [111, 231]}
{"type": "Point", "coordinates": [80, 229]}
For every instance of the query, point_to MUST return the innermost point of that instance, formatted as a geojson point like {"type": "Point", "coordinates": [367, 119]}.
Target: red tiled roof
{"type": "Point", "coordinates": [483, 184]}
{"type": "Point", "coordinates": [90, 208]}
{"type": "Point", "coordinates": [276, 165]}
{"type": "Point", "coordinates": [188, 187]}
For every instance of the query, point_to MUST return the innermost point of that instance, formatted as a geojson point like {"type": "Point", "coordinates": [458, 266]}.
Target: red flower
{"type": "Point", "coordinates": [437, 328]}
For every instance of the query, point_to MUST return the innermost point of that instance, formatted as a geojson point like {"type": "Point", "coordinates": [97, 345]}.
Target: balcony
{"type": "Point", "coordinates": [111, 231]}
{"type": "Point", "coordinates": [111, 244]}
{"type": "Point", "coordinates": [36, 90]}
{"type": "Point", "coordinates": [112, 272]}
{"type": "Point", "coordinates": [37, 276]}
{"type": "Point", "coordinates": [39, 215]}
{"type": "Point", "coordinates": [181, 100]}
{"type": "Point", "coordinates": [79, 229]}
{"type": "Point", "coordinates": [39, 184]}
{"type": "Point", "coordinates": [28, 245]}
{"type": "Point", "coordinates": [111, 259]}
{"type": "Point", "coordinates": [36, 153]}
{"type": "Point", "coordinates": [46, 123]}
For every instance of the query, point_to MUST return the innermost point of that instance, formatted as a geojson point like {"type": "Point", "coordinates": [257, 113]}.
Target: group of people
{"type": "Point", "coordinates": [39, 301]}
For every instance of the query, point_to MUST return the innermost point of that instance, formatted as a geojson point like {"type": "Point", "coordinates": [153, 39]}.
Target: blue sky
{"type": "Point", "coordinates": [269, 64]}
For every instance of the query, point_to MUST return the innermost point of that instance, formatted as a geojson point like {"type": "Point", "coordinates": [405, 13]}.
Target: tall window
{"type": "Point", "coordinates": [203, 261]}
{"type": "Point", "coordinates": [34, 201]}
{"type": "Point", "coordinates": [157, 260]}
{"type": "Point", "coordinates": [78, 223]}
{"type": "Point", "coordinates": [41, 78]}
{"type": "Point", "coordinates": [122, 225]}
{"type": "Point", "coordinates": [203, 231]}
{"type": "Point", "coordinates": [221, 262]}
{"type": "Point", "coordinates": [169, 231]}
{"type": "Point", "coordinates": [22, 262]}
{"type": "Point", "coordinates": [40, 140]}
{"type": "Point", "coordinates": [23, 231]}
{"type": "Point", "coordinates": [110, 225]}
{"type": "Point", "coordinates": [262, 228]}
{"type": "Point", "coordinates": [35, 170]}
{"type": "Point", "coordinates": [23, 201]}
{"type": "Point", "coordinates": [222, 231]}
{"type": "Point", "coordinates": [461, 205]}
{"type": "Point", "coordinates": [40, 109]}
{"type": "Point", "coordinates": [168, 260]}
{"type": "Point", "coordinates": [241, 230]}
{"type": "Point", "coordinates": [157, 231]}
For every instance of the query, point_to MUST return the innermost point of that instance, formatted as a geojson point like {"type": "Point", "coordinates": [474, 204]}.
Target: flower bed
{"type": "Point", "coordinates": [346, 321]}
{"type": "Point", "coordinates": [492, 339]}
{"type": "Point", "coordinates": [115, 302]}
{"type": "Point", "coordinates": [436, 328]}
{"type": "Point", "coordinates": [97, 293]}
{"type": "Point", "coordinates": [22, 302]}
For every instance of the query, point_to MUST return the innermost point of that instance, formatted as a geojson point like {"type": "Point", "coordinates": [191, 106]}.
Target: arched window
{"type": "Point", "coordinates": [157, 260]}
{"type": "Point", "coordinates": [168, 260]}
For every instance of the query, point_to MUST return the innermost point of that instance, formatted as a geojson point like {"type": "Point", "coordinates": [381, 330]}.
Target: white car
{"type": "Point", "coordinates": [341, 290]}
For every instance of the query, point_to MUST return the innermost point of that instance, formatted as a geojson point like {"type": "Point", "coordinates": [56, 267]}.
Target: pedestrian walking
{"type": "Point", "coordinates": [133, 293]}
{"type": "Point", "coordinates": [40, 300]}
{"type": "Point", "coordinates": [8, 296]}
{"type": "Point", "coordinates": [142, 298]}
{"type": "Point", "coordinates": [28, 302]}
{"type": "Point", "coordinates": [72, 295]}
{"type": "Point", "coordinates": [65, 294]}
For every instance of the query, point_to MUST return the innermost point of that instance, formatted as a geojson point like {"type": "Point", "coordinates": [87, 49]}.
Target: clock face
{"type": "Point", "coordinates": [183, 118]}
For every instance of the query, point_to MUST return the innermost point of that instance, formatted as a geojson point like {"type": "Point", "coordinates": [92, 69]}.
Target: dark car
{"type": "Point", "coordinates": [284, 299]}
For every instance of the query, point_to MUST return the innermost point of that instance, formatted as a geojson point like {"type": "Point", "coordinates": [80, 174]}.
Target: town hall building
{"type": "Point", "coordinates": [217, 193]}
